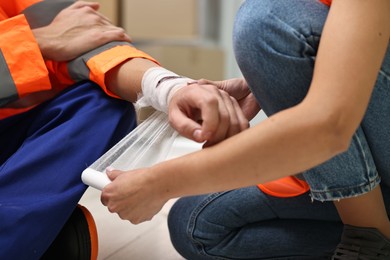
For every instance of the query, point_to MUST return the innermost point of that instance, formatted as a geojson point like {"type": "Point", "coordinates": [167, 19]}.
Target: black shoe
{"type": "Point", "coordinates": [359, 243]}
{"type": "Point", "coordinates": [77, 240]}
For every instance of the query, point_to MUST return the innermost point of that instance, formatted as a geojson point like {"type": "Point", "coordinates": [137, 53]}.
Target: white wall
{"type": "Point", "coordinates": [227, 15]}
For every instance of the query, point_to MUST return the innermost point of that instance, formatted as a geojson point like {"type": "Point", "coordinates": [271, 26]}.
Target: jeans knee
{"type": "Point", "coordinates": [248, 28]}
{"type": "Point", "coordinates": [192, 233]}
{"type": "Point", "coordinates": [277, 38]}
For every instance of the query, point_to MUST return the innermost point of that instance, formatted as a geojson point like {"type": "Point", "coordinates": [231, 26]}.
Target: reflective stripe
{"type": "Point", "coordinates": [42, 13]}
{"type": "Point", "coordinates": [78, 69]}
{"type": "Point", "coordinates": [8, 92]}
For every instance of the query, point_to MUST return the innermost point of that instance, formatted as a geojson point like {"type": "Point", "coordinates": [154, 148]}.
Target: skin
{"type": "Point", "coordinates": [220, 111]}
{"type": "Point", "coordinates": [352, 48]}
{"type": "Point", "coordinates": [81, 25]}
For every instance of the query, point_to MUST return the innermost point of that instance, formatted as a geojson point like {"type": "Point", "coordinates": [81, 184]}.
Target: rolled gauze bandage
{"type": "Point", "coordinates": [158, 86]}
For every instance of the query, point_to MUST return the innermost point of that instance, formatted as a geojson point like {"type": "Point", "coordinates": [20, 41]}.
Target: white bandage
{"type": "Point", "coordinates": [158, 86]}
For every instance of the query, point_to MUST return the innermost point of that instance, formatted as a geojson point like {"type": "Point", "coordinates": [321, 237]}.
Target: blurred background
{"type": "Point", "coordinates": [189, 37]}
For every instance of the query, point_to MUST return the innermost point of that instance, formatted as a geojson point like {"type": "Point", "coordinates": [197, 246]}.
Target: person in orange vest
{"type": "Point", "coordinates": [69, 79]}
{"type": "Point", "coordinates": [321, 72]}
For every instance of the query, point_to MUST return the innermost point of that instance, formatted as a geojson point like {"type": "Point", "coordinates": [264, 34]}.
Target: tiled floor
{"type": "Point", "coordinates": [119, 239]}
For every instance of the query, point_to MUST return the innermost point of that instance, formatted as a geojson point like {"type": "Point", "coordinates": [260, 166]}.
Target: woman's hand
{"type": "Point", "coordinates": [238, 88]}
{"type": "Point", "coordinates": [132, 195]}
{"type": "Point", "coordinates": [77, 29]}
{"type": "Point", "coordinates": [207, 111]}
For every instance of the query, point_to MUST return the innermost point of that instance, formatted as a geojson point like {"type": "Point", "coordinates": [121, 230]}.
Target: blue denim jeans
{"type": "Point", "coordinates": [275, 44]}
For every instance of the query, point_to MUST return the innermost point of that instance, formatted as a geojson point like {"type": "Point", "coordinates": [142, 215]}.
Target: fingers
{"type": "Point", "coordinates": [193, 106]}
{"type": "Point", "coordinates": [187, 125]}
{"type": "Point", "coordinates": [239, 89]}
{"type": "Point", "coordinates": [108, 31]}
{"type": "Point", "coordinates": [80, 4]}
{"type": "Point", "coordinates": [219, 122]}
{"type": "Point", "coordinates": [108, 34]}
{"type": "Point", "coordinates": [249, 106]}
{"type": "Point", "coordinates": [231, 122]}
{"type": "Point", "coordinates": [90, 8]}
{"type": "Point", "coordinates": [205, 113]}
{"type": "Point", "coordinates": [112, 173]}
{"type": "Point", "coordinates": [131, 197]}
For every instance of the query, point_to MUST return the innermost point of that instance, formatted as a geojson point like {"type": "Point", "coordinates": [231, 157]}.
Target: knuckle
{"type": "Point", "coordinates": [225, 116]}
{"type": "Point", "coordinates": [235, 124]}
{"type": "Point", "coordinates": [111, 208]}
{"type": "Point", "coordinates": [209, 100]}
{"type": "Point", "coordinates": [244, 124]}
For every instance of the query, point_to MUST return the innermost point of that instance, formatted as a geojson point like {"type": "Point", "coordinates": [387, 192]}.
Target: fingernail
{"type": "Point", "coordinates": [197, 134]}
{"type": "Point", "coordinates": [110, 168]}
{"type": "Point", "coordinates": [192, 82]}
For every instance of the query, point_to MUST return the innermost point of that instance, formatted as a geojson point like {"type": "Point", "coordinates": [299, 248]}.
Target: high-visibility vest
{"type": "Point", "coordinates": [26, 79]}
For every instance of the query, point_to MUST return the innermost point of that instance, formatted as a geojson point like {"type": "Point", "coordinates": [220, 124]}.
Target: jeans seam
{"type": "Point", "coordinates": [192, 222]}
{"type": "Point", "coordinates": [371, 180]}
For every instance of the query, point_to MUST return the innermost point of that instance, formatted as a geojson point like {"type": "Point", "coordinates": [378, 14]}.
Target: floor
{"type": "Point", "coordinates": [119, 239]}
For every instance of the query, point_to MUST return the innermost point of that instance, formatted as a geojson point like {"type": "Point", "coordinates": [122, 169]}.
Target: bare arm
{"type": "Point", "coordinates": [354, 42]}
{"type": "Point", "coordinates": [352, 48]}
{"type": "Point", "coordinates": [125, 79]}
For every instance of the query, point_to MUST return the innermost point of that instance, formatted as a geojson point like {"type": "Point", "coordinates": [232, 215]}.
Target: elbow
{"type": "Point", "coordinates": [339, 142]}
{"type": "Point", "coordinates": [334, 125]}
{"type": "Point", "coordinates": [338, 135]}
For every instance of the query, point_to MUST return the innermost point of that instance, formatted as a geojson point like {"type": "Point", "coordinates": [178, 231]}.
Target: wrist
{"type": "Point", "coordinates": [161, 183]}
{"type": "Point", "coordinates": [43, 42]}
{"type": "Point", "coordinates": [158, 87]}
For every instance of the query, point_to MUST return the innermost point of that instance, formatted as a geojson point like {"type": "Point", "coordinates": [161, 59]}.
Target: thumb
{"type": "Point", "coordinates": [218, 84]}
{"type": "Point", "coordinates": [112, 173]}
{"type": "Point", "coordinates": [81, 4]}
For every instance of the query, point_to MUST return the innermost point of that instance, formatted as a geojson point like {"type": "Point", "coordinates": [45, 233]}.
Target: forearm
{"type": "Point", "coordinates": [353, 44]}
{"type": "Point", "coordinates": [285, 144]}
{"type": "Point", "coordinates": [125, 79]}
{"type": "Point", "coordinates": [304, 136]}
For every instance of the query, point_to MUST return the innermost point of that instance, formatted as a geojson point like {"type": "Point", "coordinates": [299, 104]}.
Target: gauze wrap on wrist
{"type": "Point", "coordinates": [158, 86]}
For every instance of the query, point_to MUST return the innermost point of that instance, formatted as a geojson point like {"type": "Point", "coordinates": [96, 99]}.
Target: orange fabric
{"type": "Point", "coordinates": [285, 187]}
{"type": "Point", "coordinates": [31, 74]}
{"type": "Point", "coordinates": [327, 2]}
{"type": "Point", "coordinates": [23, 57]}
{"type": "Point", "coordinates": [92, 232]}
{"type": "Point", "coordinates": [7, 112]}
{"type": "Point", "coordinates": [103, 62]}
{"type": "Point", "coordinates": [15, 7]}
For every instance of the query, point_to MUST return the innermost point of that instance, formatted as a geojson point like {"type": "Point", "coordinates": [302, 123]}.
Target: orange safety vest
{"type": "Point", "coordinates": [25, 77]}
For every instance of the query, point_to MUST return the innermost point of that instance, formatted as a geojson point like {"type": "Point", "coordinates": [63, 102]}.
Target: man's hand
{"type": "Point", "coordinates": [76, 30]}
